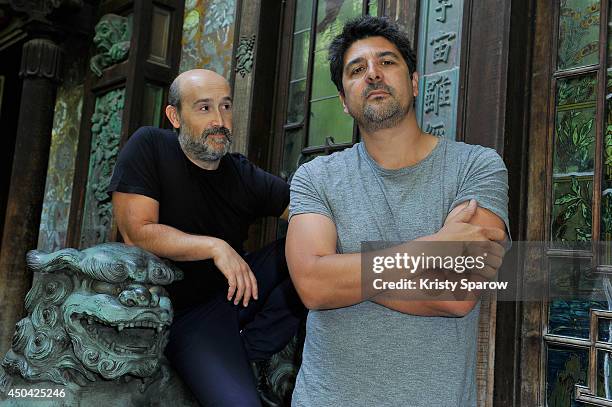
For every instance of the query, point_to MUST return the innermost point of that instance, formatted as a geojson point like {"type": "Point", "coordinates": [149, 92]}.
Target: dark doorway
{"type": "Point", "coordinates": [10, 95]}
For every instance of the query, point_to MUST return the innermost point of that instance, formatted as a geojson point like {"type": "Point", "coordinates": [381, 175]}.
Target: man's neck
{"type": "Point", "coordinates": [403, 145]}
{"type": "Point", "coordinates": [205, 165]}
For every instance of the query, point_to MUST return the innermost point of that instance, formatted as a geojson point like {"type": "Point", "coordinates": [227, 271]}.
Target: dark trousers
{"type": "Point", "coordinates": [212, 344]}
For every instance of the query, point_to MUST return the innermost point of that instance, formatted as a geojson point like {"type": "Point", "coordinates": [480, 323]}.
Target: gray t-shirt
{"type": "Point", "coordinates": [366, 354]}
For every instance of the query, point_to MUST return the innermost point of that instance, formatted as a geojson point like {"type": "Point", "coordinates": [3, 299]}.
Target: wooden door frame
{"type": "Point", "coordinates": [531, 340]}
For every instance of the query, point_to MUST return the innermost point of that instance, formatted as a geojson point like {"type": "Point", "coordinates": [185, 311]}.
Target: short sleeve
{"type": "Point", "coordinates": [270, 193]}
{"type": "Point", "coordinates": [135, 170]}
{"type": "Point", "coordinates": [486, 181]}
{"type": "Point", "coordinates": [305, 197]}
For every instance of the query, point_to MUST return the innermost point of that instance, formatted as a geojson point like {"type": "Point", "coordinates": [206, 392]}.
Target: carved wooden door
{"type": "Point", "coordinates": [566, 338]}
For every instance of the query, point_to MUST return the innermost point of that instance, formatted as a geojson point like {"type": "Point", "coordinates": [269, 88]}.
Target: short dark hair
{"type": "Point", "coordinates": [364, 27]}
{"type": "Point", "coordinates": [174, 94]}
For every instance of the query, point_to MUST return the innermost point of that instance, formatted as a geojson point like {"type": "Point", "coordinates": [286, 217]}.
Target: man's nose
{"type": "Point", "coordinates": [374, 73]}
{"type": "Point", "coordinates": [218, 119]}
{"type": "Point", "coordinates": [135, 295]}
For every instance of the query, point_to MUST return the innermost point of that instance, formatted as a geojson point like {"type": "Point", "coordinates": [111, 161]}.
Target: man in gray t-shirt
{"type": "Point", "coordinates": [399, 185]}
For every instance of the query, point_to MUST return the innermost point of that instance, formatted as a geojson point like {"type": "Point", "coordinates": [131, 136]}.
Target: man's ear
{"type": "Point", "coordinates": [341, 94]}
{"type": "Point", "coordinates": [415, 84]}
{"type": "Point", "coordinates": [173, 115]}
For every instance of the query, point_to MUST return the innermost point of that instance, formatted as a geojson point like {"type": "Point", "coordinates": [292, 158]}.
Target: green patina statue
{"type": "Point", "coordinates": [97, 323]}
{"type": "Point", "coordinates": [112, 40]}
{"type": "Point", "coordinates": [96, 326]}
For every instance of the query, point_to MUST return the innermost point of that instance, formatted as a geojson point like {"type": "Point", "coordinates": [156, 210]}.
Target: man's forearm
{"type": "Point", "coordinates": [414, 301]}
{"type": "Point", "coordinates": [334, 281]}
{"type": "Point", "coordinates": [339, 284]}
{"type": "Point", "coordinates": [166, 241]}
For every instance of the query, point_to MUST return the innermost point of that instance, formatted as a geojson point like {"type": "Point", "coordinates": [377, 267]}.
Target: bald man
{"type": "Point", "coordinates": [182, 196]}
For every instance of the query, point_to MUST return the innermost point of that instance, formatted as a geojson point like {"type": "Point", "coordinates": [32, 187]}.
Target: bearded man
{"type": "Point", "coordinates": [399, 184]}
{"type": "Point", "coordinates": [186, 199]}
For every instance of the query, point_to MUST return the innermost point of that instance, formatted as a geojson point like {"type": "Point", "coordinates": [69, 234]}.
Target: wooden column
{"type": "Point", "coordinates": [40, 70]}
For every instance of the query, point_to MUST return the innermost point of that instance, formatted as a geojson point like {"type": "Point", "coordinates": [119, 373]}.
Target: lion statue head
{"type": "Point", "coordinates": [97, 313]}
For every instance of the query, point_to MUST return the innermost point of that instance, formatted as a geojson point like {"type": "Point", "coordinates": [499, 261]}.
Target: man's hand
{"type": "Point", "coordinates": [137, 217]}
{"type": "Point", "coordinates": [473, 240]}
{"type": "Point", "coordinates": [239, 276]}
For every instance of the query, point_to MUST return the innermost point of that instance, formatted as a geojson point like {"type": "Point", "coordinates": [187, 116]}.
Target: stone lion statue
{"type": "Point", "coordinates": [112, 40]}
{"type": "Point", "coordinates": [96, 327]}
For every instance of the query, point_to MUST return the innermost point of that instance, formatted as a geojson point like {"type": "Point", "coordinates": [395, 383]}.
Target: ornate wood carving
{"type": "Point", "coordinates": [112, 40]}
{"type": "Point", "coordinates": [245, 55]}
{"type": "Point", "coordinates": [41, 58]}
{"type": "Point", "coordinates": [106, 135]}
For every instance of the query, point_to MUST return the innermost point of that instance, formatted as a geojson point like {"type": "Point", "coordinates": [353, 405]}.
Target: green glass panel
{"type": "Point", "coordinates": [303, 15]}
{"type": "Point", "coordinates": [152, 105]}
{"type": "Point", "coordinates": [331, 16]}
{"type": "Point", "coordinates": [604, 374]}
{"type": "Point", "coordinates": [571, 212]}
{"type": "Point", "coordinates": [604, 331]}
{"type": "Point", "coordinates": [573, 160]}
{"type": "Point", "coordinates": [575, 125]}
{"type": "Point", "coordinates": [565, 367]}
{"type": "Point", "coordinates": [373, 7]}
{"type": "Point", "coordinates": [295, 107]}
{"type": "Point", "coordinates": [574, 289]}
{"type": "Point", "coordinates": [609, 42]}
{"type": "Point", "coordinates": [322, 85]}
{"type": "Point", "coordinates": [160, 31]}
{"type": "Point", "coordinates": [578, 33]}
{"type": "Point", "coordinates": [299, 59]}
{"type": "Point", "coordinates": [606, 180]}
{"type": "Point", "coordinates": [293, 144]}
{"type": "Point", "coordinates": [327, 119]}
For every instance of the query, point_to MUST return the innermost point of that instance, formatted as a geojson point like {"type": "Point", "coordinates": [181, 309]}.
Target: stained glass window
{"type": "Point", "coordinates": [314, 121]}
{"type": "Point", "coordinates": [578, 331]}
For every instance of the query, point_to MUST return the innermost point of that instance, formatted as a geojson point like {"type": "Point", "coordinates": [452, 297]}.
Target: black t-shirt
{"type": "Point", "coordinates": [221, 203]}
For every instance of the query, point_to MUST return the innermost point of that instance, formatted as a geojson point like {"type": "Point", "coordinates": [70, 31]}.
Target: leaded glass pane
{"type": "Point", "coordinates": [160, 31]}
{"type": "Point", "coordinates": [606, 180]}
{"type": "Point", "coordinates": [373, 7]}
{"type": "Point", "coordinates": [604, 331]}
{"type": "Point", "coordinates": [303, 15]}
{"type": "Point", "coordinates": [604, 377]}
{"type": "Point", "coordinates": [322, 85]}
{"type": "Point", "coordinates": [578, 33]}
{"type": "Point", "coordinates": [293, 144]}
{"type": "Point", "coordinates": [574, 289]}
{"type": "Point", "coordinates": [327, 119]}
{"type": "Point", "coordinates": [295, 106]}
{"type": "Point", "coordinates": [299, 59]}
{"type": "Point", "coordinates": [331, 16]}
{"type": "Point", "coordinates": [575, 125]}
{"type": "Point", "coordinates": [152, 105]}
{"type": "Point", "coordinates": [571, 211]}
{"type": "Point", "coordinates": [573, 160]}
{"type": "Point", "coordinates": [566, 367]}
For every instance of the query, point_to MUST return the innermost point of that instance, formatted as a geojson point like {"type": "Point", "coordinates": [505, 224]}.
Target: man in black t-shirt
{"type": "Point", "coordinates": [183, 197]}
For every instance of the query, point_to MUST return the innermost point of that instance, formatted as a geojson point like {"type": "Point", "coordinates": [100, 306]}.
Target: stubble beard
{"type": "Point", "coordinates": [199, 147]}
{"type": "Point", "coordinates": [381, 114]}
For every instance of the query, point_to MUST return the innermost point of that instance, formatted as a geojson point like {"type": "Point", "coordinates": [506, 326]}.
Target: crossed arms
{"type": "Point", "coordinates": [325, 279]}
